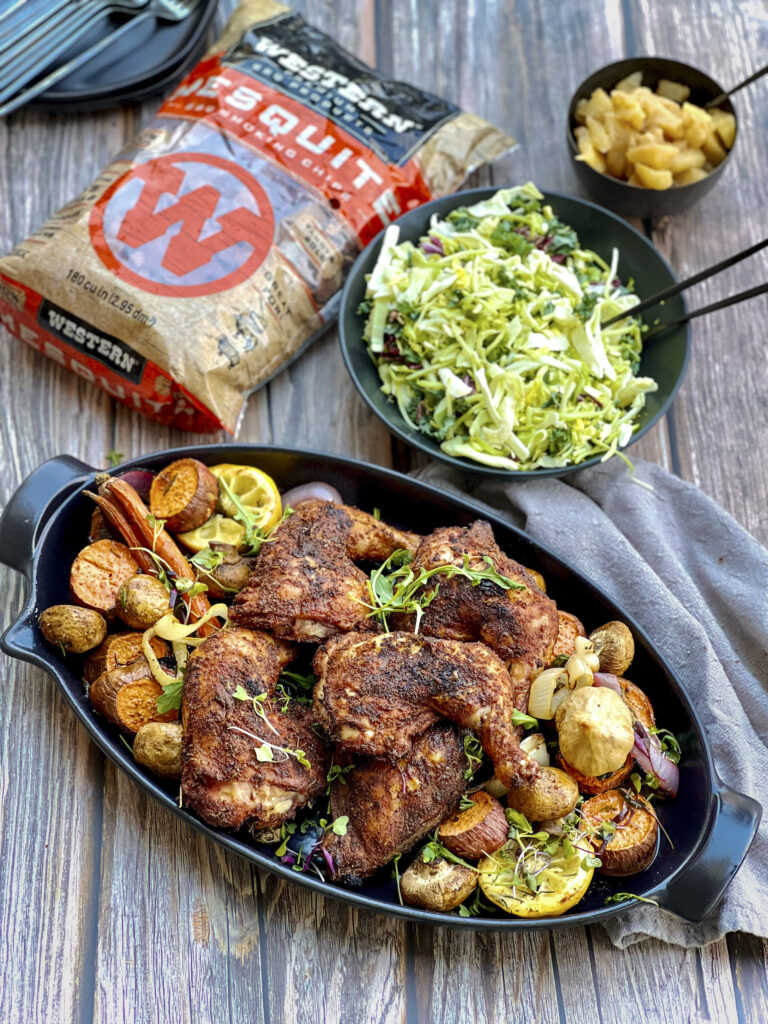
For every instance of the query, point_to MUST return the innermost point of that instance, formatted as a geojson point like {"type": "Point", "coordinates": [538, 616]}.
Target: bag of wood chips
{"type": "Point", "coordinates": [210, 254]}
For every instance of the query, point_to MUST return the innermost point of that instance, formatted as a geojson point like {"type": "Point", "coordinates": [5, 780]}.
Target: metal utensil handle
{"type": "Point", "coordinates": [11, 32]}
{"type": "Point", "coordinates": [29, 64]}
{"type": "Point", "coordinates": [747, 81]}
{"type": "Point", "coordinates": [16, 51]}
{"type": "Point", "coordinates": [32, 504]}
{"type": "Point", "coordinates": [700, 887]}
{"type": "Point", "coordinates": [66, 69]}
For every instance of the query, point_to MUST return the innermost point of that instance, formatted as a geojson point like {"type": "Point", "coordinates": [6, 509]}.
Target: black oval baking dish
{"type": "Point", "coordinates": [46, 522]}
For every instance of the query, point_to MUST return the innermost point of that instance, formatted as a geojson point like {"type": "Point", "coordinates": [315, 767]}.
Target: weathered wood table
{"type": "Point", "coordinates": [110, 909]}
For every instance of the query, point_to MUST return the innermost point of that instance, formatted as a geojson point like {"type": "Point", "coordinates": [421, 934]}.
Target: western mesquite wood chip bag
{"type": "Point", "coordinates": [205, 258]}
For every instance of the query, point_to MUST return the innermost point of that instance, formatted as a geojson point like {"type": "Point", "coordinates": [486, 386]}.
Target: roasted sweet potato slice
{"type": "Point", "coordinates": [638, 703]}
{"type": "Point", "coordinates": [128, 696]}
{"type": "Point", "coordinates": [568, 628]}
{"type": "Point", "coordinates": [117, 650]}
{"type": "Point", "coordinates": [184, 494]}
{"type": "Point", "coordinates": [632, 846]}
{"type": "Point", "coordinates": [480, 829]}
{"type": "Point", "coordinates": [98, 573]}
{"type": "Point", "coordinates": [597, 783]}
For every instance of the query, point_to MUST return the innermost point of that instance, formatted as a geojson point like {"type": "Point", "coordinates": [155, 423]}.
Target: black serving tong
{"type": "Point", "coordinates": [681, 286]}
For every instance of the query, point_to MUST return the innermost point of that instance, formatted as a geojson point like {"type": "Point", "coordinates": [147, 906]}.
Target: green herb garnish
{"type": "Point", "coordinates": [394, 587]}
{"type": "Point", "coordinates": [474, 754]}
{"type": "Point", "coordinates": [620, 897]}
{"type": "Point", "coordinates": [520, 718]}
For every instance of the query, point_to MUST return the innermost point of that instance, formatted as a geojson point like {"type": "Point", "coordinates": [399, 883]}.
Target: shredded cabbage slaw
{"type": "Point", "coordinates": [487, 336]}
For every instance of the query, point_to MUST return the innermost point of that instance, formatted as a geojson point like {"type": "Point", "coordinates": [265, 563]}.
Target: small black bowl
{"type": "Point", "coordinates": [633, 200]}
{"type": "Point", "coordinates": [664, 358]}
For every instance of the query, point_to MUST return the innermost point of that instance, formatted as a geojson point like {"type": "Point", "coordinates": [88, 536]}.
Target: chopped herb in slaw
{"type": "Point", "coordinates": [487, 336]}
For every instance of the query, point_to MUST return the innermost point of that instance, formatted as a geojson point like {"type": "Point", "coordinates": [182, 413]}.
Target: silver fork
{"type": "Point", "coordinates": [20, 64]}
{"type": "Point", "coordinates": [164, 10]}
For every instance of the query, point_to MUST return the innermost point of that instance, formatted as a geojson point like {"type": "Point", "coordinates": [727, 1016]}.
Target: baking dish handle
{"type": "Point", "coordinates": [698, 889]}
{"type": "Point", "coordinates": [32, 504]}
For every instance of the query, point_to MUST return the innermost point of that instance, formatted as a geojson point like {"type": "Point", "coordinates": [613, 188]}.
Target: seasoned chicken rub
{"type": "Point", "coordinates": [222, 780]}
{"type": "Point", "coordinates": [376, 694]}
{"type": "Point", "coordinates": [391, 806]}
{"type": "Point", "coordinates": [520, 625]}
{"type": "Point", "coordinates": [305, 585]}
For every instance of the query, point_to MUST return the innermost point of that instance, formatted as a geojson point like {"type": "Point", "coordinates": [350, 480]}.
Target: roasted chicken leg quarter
{"type": "Point", "coordinates": [376, 694]}
{"type": "Point", "coordinates": [520, 624]}
{"type": "Point", "coordinates": [305, 586]}
{"type": "Point", "coordinates": [222, 778]}
{"type": "Point", "coordinates": [391, 806]}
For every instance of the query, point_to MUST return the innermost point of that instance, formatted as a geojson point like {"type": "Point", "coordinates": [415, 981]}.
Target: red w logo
{"type": "Point", "coordinates": [186, 251]}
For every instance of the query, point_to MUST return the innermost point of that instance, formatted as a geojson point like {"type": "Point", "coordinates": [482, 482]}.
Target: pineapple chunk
{"type": "Point", "coordinates": [587, 152]}
{"type": "Point", "coordinates": [673, 90]}
{"type": "Point", "coordinates": [713, 151]}
{"type": "Point", "coordinates": [633, 81]}
{"type": "Point", "coordinates": [652, 178]}
{"type": "Point", "coordinates": [725, 126]}
{"type": "Point", "coordinates": [656, 155]}
{"type": "Point", "coordinates": [686, 158]}
{"type": "Point", "coordinates": [627, 108]}
{"type": "Point", "coordinates": [690, 176]}
{"type": "Point", "coordinates": [598, 135]}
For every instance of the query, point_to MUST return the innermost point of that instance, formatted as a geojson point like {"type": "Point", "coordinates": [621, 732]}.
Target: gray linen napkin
{"type": "Point", "coordinates": [698, 584]}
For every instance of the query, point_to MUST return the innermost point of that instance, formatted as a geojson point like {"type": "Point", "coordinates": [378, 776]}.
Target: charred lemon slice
{"type": "Point", "coordinates": [254, 490]}
{"type": "Point", "coordinates": [218, 529]}
{"type": "Point", "coordinates": [535, 885]}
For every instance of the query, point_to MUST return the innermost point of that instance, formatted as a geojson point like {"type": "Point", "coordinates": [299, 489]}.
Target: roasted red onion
{"type": "Point", "coordinates": [608, 680]}
{"type": "Point", "coordinates": [140, 480]}
{"type": "Point", "coordinates": [314, 491]}
{"type": "Point", "coordinates": [649, 754]}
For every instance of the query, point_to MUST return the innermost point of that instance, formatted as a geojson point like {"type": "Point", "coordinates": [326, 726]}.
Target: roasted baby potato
{"type": "Point", "coordinates": [141, 601]}
{"type": "Point", "coordinates": [632, 847]}
{"type": "Point", "coordinates": [552, 794]}
{"type": "Point", "coordinates": [119, 649]}
{"type": "Point", "coordinates": [614, 646]}
{"type": "Point", "coordinates": [184, 495]}
{"type": "Point", "coordinates": [480, 829]}
{"type": "Point", "coordinates": [74, 628]}
{"type": "Point", "coordinates": [438, 885]}
{"type": "Point", "coordinates": [158, 747]}
{"type": "Point", "coordinates": [127, 696]}
{"type": "Point", "coordinates": [230, 575]}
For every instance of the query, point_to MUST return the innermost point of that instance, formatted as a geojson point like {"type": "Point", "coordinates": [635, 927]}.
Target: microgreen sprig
{"type": "Point", "coordinates": [395, 587]}
{"type": "Point", "coordinates": [266, 750]}
{"type": "Point", "coordinates": [473, 752]}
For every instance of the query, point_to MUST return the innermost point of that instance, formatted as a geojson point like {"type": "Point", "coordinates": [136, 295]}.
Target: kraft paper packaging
{"type": "Point", "coordinates": [212, 252]}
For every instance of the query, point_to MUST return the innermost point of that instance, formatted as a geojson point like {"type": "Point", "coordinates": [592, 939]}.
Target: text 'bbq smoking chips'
{"type": "Point", "coordinates": [205, 258]}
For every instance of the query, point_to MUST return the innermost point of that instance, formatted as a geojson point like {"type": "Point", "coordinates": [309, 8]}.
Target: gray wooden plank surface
{"type": "Point", "coordinates": [112, 909]}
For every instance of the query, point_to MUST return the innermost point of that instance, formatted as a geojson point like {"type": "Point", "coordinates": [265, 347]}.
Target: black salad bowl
{"type": "Point", "coordinates": [710, 825]}
{"type": "Point", "coordinates": [664, 357]}
{"type": "Point", "coordinates": [633, 200]}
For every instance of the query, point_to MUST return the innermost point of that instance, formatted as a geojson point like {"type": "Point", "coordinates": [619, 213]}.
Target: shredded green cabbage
{"type": "Point", "coordinates": [487, 336]}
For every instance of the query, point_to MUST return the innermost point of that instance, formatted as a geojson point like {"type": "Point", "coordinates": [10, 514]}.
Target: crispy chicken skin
{"type": "Point", "coordinates": [391, 806]}
{"type": "Point", "coordinates": [221, 778]}
{"type": "Point", "coordinates": [304, 585]}
{"type": "Point", "coordinates": [371, 540]}
{"type": "Point", "coordinates": [376, 694]}
{"type": "Point", "coordinates": [519, 625]}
